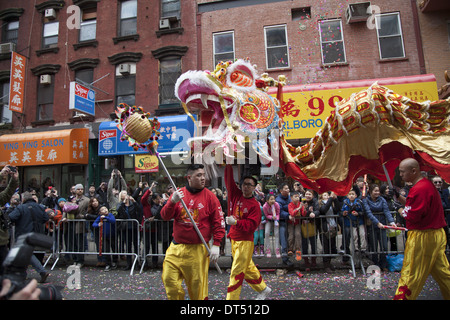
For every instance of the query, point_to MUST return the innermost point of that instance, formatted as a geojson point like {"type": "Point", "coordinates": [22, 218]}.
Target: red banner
{"type": "Point", "coordinates": [17, 82]}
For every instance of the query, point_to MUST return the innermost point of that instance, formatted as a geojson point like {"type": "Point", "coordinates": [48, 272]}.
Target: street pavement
{"type": "Point", "coordinates": [94, 283]}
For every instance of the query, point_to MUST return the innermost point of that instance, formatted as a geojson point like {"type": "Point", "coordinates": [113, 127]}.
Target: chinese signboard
{"type": "Point", "coordinates": [45, 148]}
{"type": "Point", "coordinates": [146, 163]}
{"type": "Point", "coordinates": [305, 107]}
{"type": "Point", "coordinates": [81, 98]}
{"type": "Point", "coordinates": [17, 82]}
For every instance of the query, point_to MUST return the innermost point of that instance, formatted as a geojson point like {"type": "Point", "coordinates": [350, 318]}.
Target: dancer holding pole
{"type": "Point", "coordinates": [195, 223]}
{"type": "Point", "coordinates": [192, 207]}
{"type": "Point", "coordinates": [425, 246]}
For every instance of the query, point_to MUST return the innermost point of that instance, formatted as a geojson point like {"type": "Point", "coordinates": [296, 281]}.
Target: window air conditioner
{"type": "Point", "coordinates": [357, 12]}
{"type": "Point", "coordinates": [164, 24]}
{"type": "Point", "coordinates": [7, 47]}
{"type": "Point", "coordinates": [50, 14]}
{"type": "Point", "coordinates": [124, 69]}
{"type": "Point", "coordinates": [45, 79]}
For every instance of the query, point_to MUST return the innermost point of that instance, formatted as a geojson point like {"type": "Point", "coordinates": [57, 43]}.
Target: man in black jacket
{"type": "Point", "coordinates": [129, 209]}
{"type": "Point", "coordinates": [30, 217]}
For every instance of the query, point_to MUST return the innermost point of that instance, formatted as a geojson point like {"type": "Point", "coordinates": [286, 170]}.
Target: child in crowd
{"type": "Point", "coordinates": [271, 211]}
{"type": "Point", "coordinates": [352, 213]}
{"type": "Point", "coordinates": [259, 237]}
{"type": "Point", "coordinates": [296, 210]}
{"type": "Point", "coordinates": [107, 222]}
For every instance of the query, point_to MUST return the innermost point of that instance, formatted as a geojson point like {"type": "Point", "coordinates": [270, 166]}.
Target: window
{"type": "Point", "coordinates": [10, 32]}
{"type": "Point", "coordinates": [276, 47]}
{"type": "Point", "coordinates": [128, 18]}
{"type": "Point", "coordinates": [50, 35]}
{"type": "Point", "coordinates": [169, 72]}
{"type": "Point", "coordinates": [126, 85]}
{"type": "Point", "coordinates": [390, 38]}
{"type": "Point", "coordinates": [88, 26]}
{"type": "Point", "coordinates": [332, 41]}
{"type": "Point", "coordinates": [6, 114]}
{"type": "Point", "coordinates": [170, 8]}
{"type": "Point", "coordinates": [45, 100]}
{"type": "Point", "coordinates": [223, 47]}
{"type": "Point", "coordinates": [41, 177]}
{"type": "Point", "coordinates": [85, 75]}
{"type": "Point", "coordinates": [299, 14]}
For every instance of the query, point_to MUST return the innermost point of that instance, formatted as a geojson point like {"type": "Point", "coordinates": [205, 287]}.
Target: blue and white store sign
{"type": "Point", "coordinates": [175, 132]}
{"type": "Point", "coordinates": [81, 98]}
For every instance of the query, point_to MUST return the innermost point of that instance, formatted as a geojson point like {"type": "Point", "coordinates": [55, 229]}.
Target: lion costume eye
{"type": "Point", "coordinates": [241, 75]}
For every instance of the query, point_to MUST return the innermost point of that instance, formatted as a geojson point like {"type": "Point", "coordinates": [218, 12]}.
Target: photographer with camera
{"type": "Point", "coordinates": [51, 199]}
{"type": "Point", "coordinates": [5, 196]}
{"type": "Point", "coordinates": [29, 292]}
{"type": "Point", "coordinates": [116, 184]}
{"type": "Point", "coordinates": [13, 283]}
{"type": "Point", "coordinates": [30, 217]}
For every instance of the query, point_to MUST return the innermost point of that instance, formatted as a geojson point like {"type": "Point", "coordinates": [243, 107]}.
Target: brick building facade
{"type": "Point", "coordinates": [133, 51]}
{"type": "Point", "coordinates": [305, 25]}
{"type": "Point", "coordinates": [100, 49]}
{"type": "Point", "coordinates": [434, 20]}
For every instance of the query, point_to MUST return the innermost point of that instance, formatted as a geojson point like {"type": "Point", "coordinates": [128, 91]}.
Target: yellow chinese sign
{"type": "Point", "coordinates": [306, 107]}
{"type": "Point", "coordinates": [146, 163]}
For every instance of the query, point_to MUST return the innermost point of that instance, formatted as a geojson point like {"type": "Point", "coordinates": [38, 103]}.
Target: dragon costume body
{"type": "Point", "coordinates": [370, 131]}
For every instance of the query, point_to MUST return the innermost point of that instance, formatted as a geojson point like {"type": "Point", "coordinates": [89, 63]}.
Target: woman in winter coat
{"type": "Point", "coordinates": [377, 210]}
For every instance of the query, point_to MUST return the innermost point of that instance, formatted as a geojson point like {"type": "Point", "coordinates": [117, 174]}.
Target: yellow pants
{"type": "Point", "coordinates": [243, 268]}
{"type": "Point", "coordinates": [424, 255]}
{"type": "Point", "coordinates": [188, 262]}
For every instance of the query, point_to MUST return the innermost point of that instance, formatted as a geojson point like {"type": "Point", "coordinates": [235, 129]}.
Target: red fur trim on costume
{"type": "Point", "coordinates": [239, 278]}
{"type": "Point", "coordinates": [403, 292]}
{"type": "Point", "coordinates": [257, 281]}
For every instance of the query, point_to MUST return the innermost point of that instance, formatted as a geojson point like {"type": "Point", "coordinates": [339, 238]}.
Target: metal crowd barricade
{"type": "Point", "coordinates": [384, 242]}
{"type": "Point", "coordinates": [317, 241]}
{"type": "Point", "coordinates": [156, 238]}
{"type": "Point", "coordinates": [123, 240]}
{"type": "Point", "coordinates": [152, 240]}
{"type": "Point", "coordinates": [352, 242]}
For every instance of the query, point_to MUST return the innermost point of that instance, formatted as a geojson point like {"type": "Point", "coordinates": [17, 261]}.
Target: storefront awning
{"type": "Point", "coordinates": [175, 131]}
{"type": "Point", "coordinates": [45, 148]}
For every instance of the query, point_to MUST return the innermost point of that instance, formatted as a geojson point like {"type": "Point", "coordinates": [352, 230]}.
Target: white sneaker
{"type": "Point", "coordinates": [263, 294]}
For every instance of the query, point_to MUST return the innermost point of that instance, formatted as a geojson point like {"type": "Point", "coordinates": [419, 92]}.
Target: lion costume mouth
{"type": "Point", "coordinates": [233, 106]}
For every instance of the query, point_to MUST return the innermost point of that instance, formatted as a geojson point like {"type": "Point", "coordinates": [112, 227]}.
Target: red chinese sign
{"type": "Point", "coordinates": [17, 82]}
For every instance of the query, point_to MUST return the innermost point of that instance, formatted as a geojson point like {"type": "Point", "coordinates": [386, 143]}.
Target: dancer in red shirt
{"type": "Point", "coordinates": [425, 246]}
{"type": "Point", "coordinates": [187, 258]}
{"type": "Point", "coordinates": [244, 216]}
